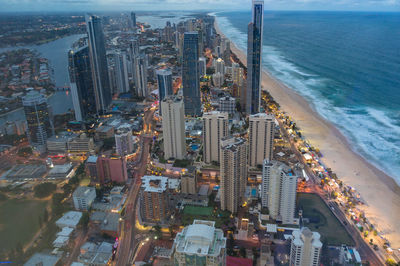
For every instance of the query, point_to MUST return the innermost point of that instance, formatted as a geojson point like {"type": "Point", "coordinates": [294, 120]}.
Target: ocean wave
{"type": "Point", "coordinates": [373, 132]}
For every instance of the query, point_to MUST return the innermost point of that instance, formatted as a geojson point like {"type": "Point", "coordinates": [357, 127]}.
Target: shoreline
{"type": "Point", "coordinates": [381, 192]}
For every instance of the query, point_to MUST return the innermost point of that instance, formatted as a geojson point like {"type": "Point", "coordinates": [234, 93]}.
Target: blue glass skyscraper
{"type": "Point", "coordinates": [98, 62]}
{"type": "Point", "coordinates": [254, 54]}
{"type": "Point", "coordinates": [190, 74]}
{"type": "Point", "coordinates": [164, 78]}
{"type": "Point", "coordinates": [80, 76]}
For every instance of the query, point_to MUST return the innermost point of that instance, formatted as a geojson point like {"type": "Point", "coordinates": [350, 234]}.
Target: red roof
{"type": "Point", "coordinates": [235, 261]}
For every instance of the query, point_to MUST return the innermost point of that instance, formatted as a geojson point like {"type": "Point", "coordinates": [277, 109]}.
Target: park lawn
{"type": "Point", "coordinates": [19, 221]}
{"type": "Point", "coordinates": [323, 220]}
{"type": "Point", "coordinates": [198, 210]}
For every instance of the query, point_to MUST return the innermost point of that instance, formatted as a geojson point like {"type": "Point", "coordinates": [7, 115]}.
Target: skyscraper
{"type": "Point", "coordinates": [233, 172]}
{"type": "Point", "coordinates": [111, 169]}
{"type": "Point", "coordinates": [306, 248]}
{"type": "Point", "coordinates": [40, 125]}
{"type": "Point", "coordinates": [254, 55]}
{"type": "Point", "coordinates": [278, 191]}
{"type": "Point", "coordinates": [121, 72]}
{"type": "Point", "coordinates": [140, 70]}
{"type": "Point", "coordinates": [173, 126]}
{"type": "Point", "coordinates": [133, 21]}
{"type": "Point", "coordinates": [202, 66]}
{"type": "Point", "coordinates": [98, 62]}
{"type": "Point", "coordinates": [219, 66]}
{"type": "Point", "coordinates": [81, 83]}
{"type": "Point", "coordinates": [261, 138]}
{"type": "Point", "coordinates": [215, 127]}
{"type": "Point", "coordinates": [190, 74]}
{"type": "Point", "coordinates": [164, 79]}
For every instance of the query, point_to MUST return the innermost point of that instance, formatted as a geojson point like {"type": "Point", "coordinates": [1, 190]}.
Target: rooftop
{"type": "Point", "coordinates": [156, 184]}
{"type": "Point", "coordinates": [42, 259]}
{"type": "Point", "coordinates": [61, 169]}
{"type": "Point", "coordinates": [83, 191]}
{"type": "Point", "coordinates": [70, 219]}
{"type": "Point", "coordinates": [92, 159]}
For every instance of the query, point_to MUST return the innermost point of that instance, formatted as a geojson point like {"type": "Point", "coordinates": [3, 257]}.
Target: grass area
{"type": "Point", "coordinates": [323, 220]}
{"type": "Point", "coordinates": [85, 182]}
{"type": "Point", "coordinates": [191, 213]}
{"type": "Point", "coordinates": [19, 221]}
{"type": "Point", "coordinates": [197, 210]}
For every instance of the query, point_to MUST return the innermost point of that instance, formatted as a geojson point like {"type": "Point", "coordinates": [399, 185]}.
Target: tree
{"type": "Point", "coordinates": [44, 189]}
{"type": "Point", "coordinates": [157, 230]}
{"type": "Point", "coordinates": [84, 221]}
{"type": "Point", "coordinates": [25, 152]}
{"type": "Point", "coordinates": [108, 143]}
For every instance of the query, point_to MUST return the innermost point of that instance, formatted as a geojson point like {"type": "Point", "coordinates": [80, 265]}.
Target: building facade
{"type": "Point", "coordinates": [278, 191]}
{"type": "Point", "coordinates": [254, 56]}
{"type": "Point", "coordinates": [202, 66]}
{"type": "Point", "coordinates": [124, 141]}
{"type": "Point", "coordinates": [111, 169]}
{"type": "Point", "coordinates": [233, 170]}
{"type": "Point", "coordinates": [261, 138]}
{"type": "Point", "coordinates": [140, 70]}
{"type": "Point", "coordinates": [227, 104]}
{"type": "Point", "coordinates": [305, 248]}
{"type": "Point", "coordinates": [83, 197]}
{"type": "Point", "coordinates": [98, 63]}
{"type": "Point", "coordinates": [81, 83]}
{"type": "Point", "coordinates": [38, 118]}
{"type": "Point", "coordinates": [190, 74]}
{"type": "Point", "coordinates": [200, 244]}
{"type": "Point", "coordinates": [164, 81]}
{"type": "Point", "coordinates": [215, 128]}
{"type": "Point", "coordinates": [173, 125]}
{"type": "Point", "coordinates": [121, 72]}
{"type": "Point", "coordinates": [154, 198]}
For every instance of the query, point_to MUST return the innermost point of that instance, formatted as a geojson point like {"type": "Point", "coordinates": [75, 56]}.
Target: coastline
{"type": "Point", "coordinates": [380, 191]}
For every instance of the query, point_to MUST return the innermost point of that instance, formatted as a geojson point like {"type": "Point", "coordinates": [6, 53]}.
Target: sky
{"type": "Point", "coordinates": [149, 5]}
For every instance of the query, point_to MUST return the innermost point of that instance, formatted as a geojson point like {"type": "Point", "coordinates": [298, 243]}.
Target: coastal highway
{"type": "Point", "coordinates": [127, 240]}
{"type": "Point", "coordinates": [365, 250]}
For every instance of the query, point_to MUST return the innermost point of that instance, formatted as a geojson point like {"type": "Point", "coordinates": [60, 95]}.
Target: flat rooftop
{"type": "Point", "coordinates": [153, 183]}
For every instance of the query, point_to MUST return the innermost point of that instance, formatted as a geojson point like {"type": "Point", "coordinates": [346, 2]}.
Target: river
{"type": "Point", "coordinates": [56, 53]}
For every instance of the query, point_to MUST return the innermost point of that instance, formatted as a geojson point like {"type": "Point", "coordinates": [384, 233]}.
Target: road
{"type": "Point", "coordinates": [365, 250]}
{"type": "Point", "coordinates": [127, 240]}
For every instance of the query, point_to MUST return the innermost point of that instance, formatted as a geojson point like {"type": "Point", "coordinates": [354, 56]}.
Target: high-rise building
{"type": "Point", "coordinates": [38, 118]}
{"type": "Point", "coordinates": [254, 56]}
{"type": "Point", "coordinates": [226, 49]}
{"type": "Point", "coordinates": [261, 138]}
{"type": "Point", "coordinates": [233, 173]}
{"type": "Point", "coordinates": [218, 79]}
{"type": "Point", "coordinates": [173, 126]}
{"type": "Point", "coordinates": [227, 104]}
{"type": "Point", "coordinates": [190, 74]}
{"type": "Point", "coordinates": [121, 72]}
{"type": "Point", "coordinates": [140, 70]}
{"type": "Point", "coordinates": [81, 83]}
{"type": "Point", "coordinates": [219, 66]}
{"type": "Point", "coordinates": [133, 21]}
{"type": "Point", "coordinates": [200, 244]}
{"type": "Point", "coordinates": [164, 78]}
{"type": "Point", "coordinates": [215, 128]}
{"type": "Point", "coordinates": [237, 74]}
{"type": "Point", "coordinates": [98, 63]}
{"type": "Point", "coordinates": [123, 141]}
{"type": "Point", "coordinates": [202, 66]}
{"type": "Point", "coordinates": [278, 191]}
{"type": "Point", "coordinates": [154, 198]}
{"type": "Point", "coordinates": [306, 248]}
{"type": "Point", "coordinates": [189, 181]}
{"type": "Point", "coordinates": [111, 169]}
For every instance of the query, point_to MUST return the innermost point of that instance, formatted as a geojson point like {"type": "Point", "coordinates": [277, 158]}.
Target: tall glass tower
{"type": "Point", "coordinates": [38, 118]}
{"type": "Point", "coordinates": [164, 78]}
{"type": "Point", "coordinates": [80, 76]}
{"type": "Point", "coordinates": [254, 54]}
{"type": "Point", "coordinates": [190, 74]}
{"type": "Point", "coordinates": [133, 20]}
{"type": "Point", "coordinates": [98, 62]}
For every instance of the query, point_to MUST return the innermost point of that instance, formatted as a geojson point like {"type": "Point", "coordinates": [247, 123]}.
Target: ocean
{"type": "Point", "coordinates": [345, 64]}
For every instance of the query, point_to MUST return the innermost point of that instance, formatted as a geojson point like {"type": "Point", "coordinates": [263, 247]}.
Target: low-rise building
{"type": "Point", "coordinates": [70, 219]}
{"type": "Point", "coordinates": [189, 181]}
{"type": "Point", "coordinates": [25, 172]}
{"type": "Point", "coordinates": [81, 145]}
{"type": "Point", "coordinates": [200, 244]}
{"type": "Point", "coordinates": [96, 254]}
{"type": "Point", "coordinates": [42, 259]}
{"type": "Point", "coordinates": [61, 171]}
{"type": "Point", "coordinates": [83, 197]}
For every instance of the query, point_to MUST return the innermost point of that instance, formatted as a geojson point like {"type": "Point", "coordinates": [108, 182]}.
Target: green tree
{"type": "Point", "coordinates": [45, 215]}
{"type": "Point", "coordinates": [157, 231]}
{"type": "Point", "coordinates": [243, 252]}
{"type": "Point", "coordinates": [84, 221]}
{"type": "Point", "coordinates": [44, 189]}
{"type": "Point", "coordinates": [25, 152]}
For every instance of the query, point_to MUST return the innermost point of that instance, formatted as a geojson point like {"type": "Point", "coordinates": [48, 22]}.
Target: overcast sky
{"type": "Point", "coordinates": [126, 5]}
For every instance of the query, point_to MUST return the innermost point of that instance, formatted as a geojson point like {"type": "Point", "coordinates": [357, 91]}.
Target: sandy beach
{"type": "Point", "coordinates": [379, 191]}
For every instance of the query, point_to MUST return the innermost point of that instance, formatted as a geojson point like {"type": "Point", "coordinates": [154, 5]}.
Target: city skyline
{"type": "Point", "coordinates": [140, 5]}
